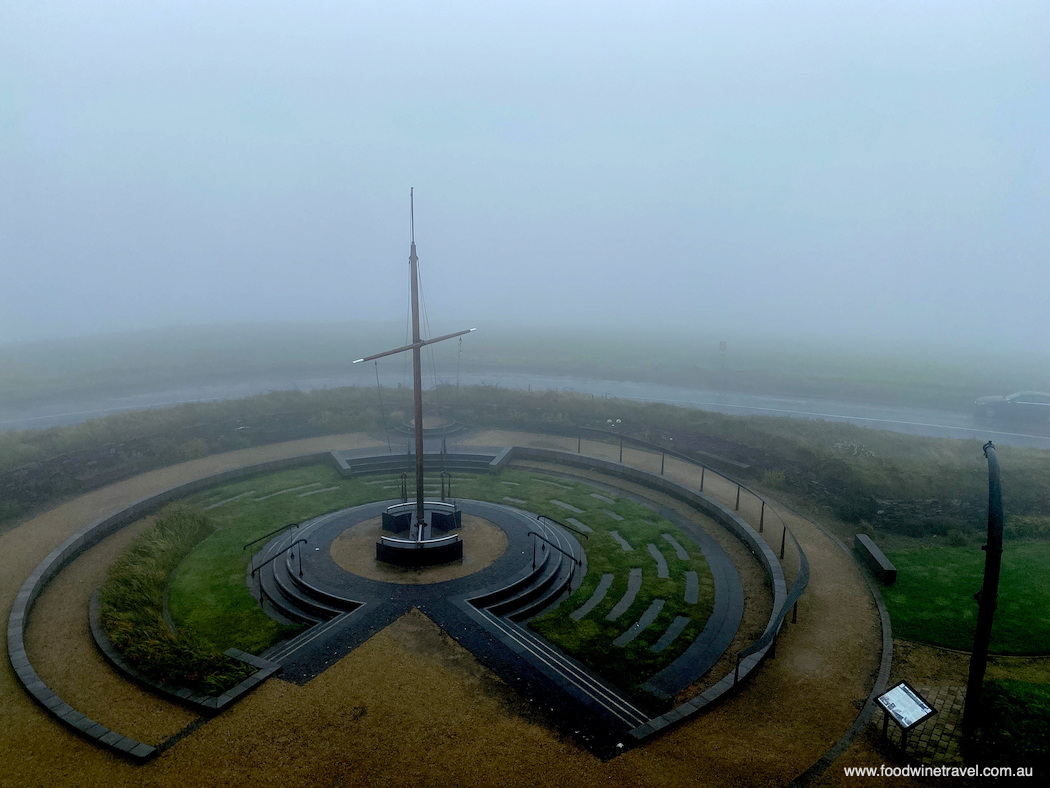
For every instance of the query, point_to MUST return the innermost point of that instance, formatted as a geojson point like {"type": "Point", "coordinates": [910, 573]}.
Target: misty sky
{"type": "Point", "coordinates": [822, 168]}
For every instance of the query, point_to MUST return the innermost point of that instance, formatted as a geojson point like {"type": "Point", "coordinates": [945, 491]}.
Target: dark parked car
{"type": "Point", "coordinates": [1024, 406]}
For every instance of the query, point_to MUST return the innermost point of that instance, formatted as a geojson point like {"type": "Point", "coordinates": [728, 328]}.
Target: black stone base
{"type": "Point", "coordinates": [446, 522]}
{"type": "Point", "coordinates": [397, 523]}
{"type": "Point", "coordinates": [410, 555]}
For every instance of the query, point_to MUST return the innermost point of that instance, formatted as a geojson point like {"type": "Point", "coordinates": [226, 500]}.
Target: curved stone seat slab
{"type": "Point", "coordinates": [634, 585]}
{"type": "Point", "coordinates": [670, 634]}
{"type": "Point", "coordinates": [692, 587]}
{"type": "Point", "coordinates": [678, 549]}
{"type": "Point", "coordinates": [599, 594]}
{"type": "Point", "coordinates": [661, 562]}
{"type": "Point", "coordinates": [642, 624]}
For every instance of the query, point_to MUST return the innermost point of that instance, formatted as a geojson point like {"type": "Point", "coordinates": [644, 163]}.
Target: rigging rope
{"type": "Point", "coordinates": [382, 413]}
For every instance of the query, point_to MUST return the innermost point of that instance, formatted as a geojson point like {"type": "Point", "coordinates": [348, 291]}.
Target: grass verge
{"type": "Point", "coordinates": [131, 610]}
{"type": "Point", "coordinates": [932, 600]}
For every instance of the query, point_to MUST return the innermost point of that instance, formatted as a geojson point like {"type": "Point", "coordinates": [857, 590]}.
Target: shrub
{"type": "Point", "coordinates": [1014, 726]}
{"type": "Point", "coordinates": [131, 603]}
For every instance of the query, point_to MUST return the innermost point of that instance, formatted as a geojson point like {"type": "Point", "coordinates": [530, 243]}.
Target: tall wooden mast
{"type": "Point", "coordinates": [417, 367]}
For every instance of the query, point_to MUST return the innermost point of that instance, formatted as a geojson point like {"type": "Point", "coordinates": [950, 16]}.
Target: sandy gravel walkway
{"type": "Point", "coordinates": [411, 707]}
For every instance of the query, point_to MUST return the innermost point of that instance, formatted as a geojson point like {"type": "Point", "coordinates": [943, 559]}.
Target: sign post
{"type": "Point", "coordinates": [906, 707]}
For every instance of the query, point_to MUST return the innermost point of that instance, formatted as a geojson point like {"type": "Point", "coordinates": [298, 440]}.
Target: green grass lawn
{"type": "Point", "coordinates": [208, 594]}
{"type": "Point", "coordinates": [932, 600]}
{"type": "Point", "coordinates": [591, 639]}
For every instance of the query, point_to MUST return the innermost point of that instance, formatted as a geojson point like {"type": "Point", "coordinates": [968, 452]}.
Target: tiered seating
{"type": "Point", "coordinates": [544, 587]}
{"type": "Point", "coordinates": [292, 597]}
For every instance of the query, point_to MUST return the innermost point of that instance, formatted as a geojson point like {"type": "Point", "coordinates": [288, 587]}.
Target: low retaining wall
{"type": "Point", "coordinates": [61, 556]}
{"type": "Point", "coordinates": [207, 704]}
{"type": "Point", "coordinates": [99, 530]}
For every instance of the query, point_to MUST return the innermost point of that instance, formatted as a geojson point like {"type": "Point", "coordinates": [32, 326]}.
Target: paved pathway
{"type": "Point", "coordinates": [598, 713]}
{"type": "Point", "coordinates": [621, 541]}
{"type": "Point", "coordinates": [938, 739]}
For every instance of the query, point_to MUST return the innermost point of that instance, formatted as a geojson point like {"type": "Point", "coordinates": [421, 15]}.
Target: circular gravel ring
{"type": "Point", "coordinates": [354, 550]}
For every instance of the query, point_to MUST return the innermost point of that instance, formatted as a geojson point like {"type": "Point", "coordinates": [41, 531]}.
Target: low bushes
{"type": "Point", "coordinates": [1014, 726]}
{"type": "Point", "coordinates": [131, 604]}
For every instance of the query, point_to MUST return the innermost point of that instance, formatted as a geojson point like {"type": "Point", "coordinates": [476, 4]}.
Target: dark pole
{"type": "Point", "coordinates": [417, 371]}
{"type": "Point", "coordinates": [986, 597]}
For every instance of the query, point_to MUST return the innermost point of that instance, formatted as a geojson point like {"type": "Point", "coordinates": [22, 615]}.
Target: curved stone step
{"type": "Point", "coordinates": [274, 595]}
{"type": "Point", "coordinates": [534, 590]}
{"type": "Point", "coordinates": [559, 588]}
{"type": "Point", "coordinates": [491, 598]}
{"type": "Point", "coordinates": [300, 601]}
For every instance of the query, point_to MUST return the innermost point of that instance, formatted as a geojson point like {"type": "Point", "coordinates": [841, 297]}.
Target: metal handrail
{"type": "Point", "coordinates": [576, 560]}
{"type": "Point", "coordinates": [563, 525]}
{"type": "Point", "coordinates": [791, 601]}
{"type": "Point", "coordinates": [278, 554]}
{"type": "Point", "coordinates": [802, 575]}
{"type": "Point", "coordinates": [272, 533]}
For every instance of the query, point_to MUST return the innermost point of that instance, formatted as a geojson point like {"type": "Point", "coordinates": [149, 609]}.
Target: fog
{"type": "Point", "coordinates": [863, 172]}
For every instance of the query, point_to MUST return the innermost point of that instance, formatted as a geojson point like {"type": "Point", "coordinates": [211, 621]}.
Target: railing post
{"type": "Point", "coordinates": [738, 498]}
{"type": "Point", "coordinates": [762, 518]}
{"type": "Point", "coordinates": [579, 443]}
{"type": "Point", "coordinates": [736, 671]}
{"type": "Point", "coordinates": [702, 469]}
{"type": "Point", "coordinates": [663, 456]}
{"type": "Point", "coordinates": [783, 541]}
{"type": "Point", "coordinates": [794, 613]}
{"type": "Point", "coordinates": [773, 647]}
{"type": "Point", "coordinates": [621, 451]}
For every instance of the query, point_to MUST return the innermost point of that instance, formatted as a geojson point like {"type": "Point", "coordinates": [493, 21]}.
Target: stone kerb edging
{"type": "Point", "coordinates": [731, 521]}
{"type": "Point", "coordinates": [60, 557]}
{"type": "Point", "coordinates": [207, 704]}
{"type": "Point", "coordinates": [88, 537]}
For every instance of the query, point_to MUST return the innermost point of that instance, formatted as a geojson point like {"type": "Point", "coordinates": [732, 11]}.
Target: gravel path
{"type": "Point", "coordinates": [411, 707]}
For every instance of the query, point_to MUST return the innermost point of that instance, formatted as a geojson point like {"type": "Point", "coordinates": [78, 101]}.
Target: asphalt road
{"type": "Point", "coordinates": [912, 421]}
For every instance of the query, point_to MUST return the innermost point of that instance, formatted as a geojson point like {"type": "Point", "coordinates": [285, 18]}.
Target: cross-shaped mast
{"type": "Point", "coordinates": [417, 369]}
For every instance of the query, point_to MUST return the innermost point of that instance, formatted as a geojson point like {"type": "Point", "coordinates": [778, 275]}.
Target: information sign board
{"type": "Point", "coordinates": [905, 705]}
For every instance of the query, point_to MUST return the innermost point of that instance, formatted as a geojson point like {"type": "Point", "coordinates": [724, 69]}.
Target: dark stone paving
{"type": "Point", "coordinates": [692, 588]}
{"type": "Point", "coordinates": [642, 624]}
{"type": "Point", "coordinates": [445, 604]}
{"type": "Point", "coordinates": [582, 526]}
{"type": "Point", "coordinates": [599, 594]}
{"type": "Point", "coordinates": [678, 549]}
{"type": "Point", "coordinates": [634, 585]}
{"type": "Point", "coordinates": [621, 541]}
{"type": "Point", "coordinates": [568, 506]}
{"type": "Point", "coordinates": [725, 619]}
{"type": "Point", "coordinates": [661, 562]}
{"type": "Point", "coordinates": [673, 631]}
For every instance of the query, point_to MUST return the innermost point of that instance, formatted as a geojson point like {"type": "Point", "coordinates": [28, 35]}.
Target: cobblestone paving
{"type": "Point", "coordinates": [936, 741]}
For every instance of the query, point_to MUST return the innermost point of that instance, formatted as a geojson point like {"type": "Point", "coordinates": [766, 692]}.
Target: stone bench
{"type": "Point", "coordinates": [875, 559]}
